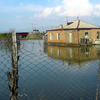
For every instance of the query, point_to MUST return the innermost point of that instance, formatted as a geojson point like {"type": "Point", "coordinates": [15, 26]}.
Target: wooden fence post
{"type": "Point", "coordinates": [14, 50]}
{"type": "Point", "coordinates": [14, 75]}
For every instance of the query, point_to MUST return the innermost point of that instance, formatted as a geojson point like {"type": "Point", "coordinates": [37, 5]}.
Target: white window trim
{"type": "Point", "coordinates": [57, 36]}
{"type": "Point", "coordinates": [87, 36]}
{"type": "Point", "coordinates": [59, 52]}
{"type": "Point", "coordinates": [51, 36]}
{"type": "Point", "coordinates": [52, 51]}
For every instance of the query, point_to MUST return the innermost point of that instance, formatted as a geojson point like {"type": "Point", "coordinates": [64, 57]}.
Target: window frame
{"type": "Point", "coordinates": [52, 51]}
{"type": "Point", "coordinates": [51, 36]}
{"type": "Point", "coordinates": [58, 36]}
{"type": "Point", "coordinates": [98, 34]}
{"type": "Point", "coordinates": [87, 34]}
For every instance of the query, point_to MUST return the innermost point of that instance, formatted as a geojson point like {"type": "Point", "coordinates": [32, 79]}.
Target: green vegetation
{"type": "Point", "coordinates": [6, 36]}
{"type": "Point", "coordinates": [33, 37]}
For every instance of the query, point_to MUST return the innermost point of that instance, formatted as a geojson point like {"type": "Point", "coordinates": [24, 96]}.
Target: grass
{"type": "Point", "coordinates": [33, 37]}
{"type": "Point", "coordinates": [5, 36]}
{"type": "Point", "coordinates": [29, 37]}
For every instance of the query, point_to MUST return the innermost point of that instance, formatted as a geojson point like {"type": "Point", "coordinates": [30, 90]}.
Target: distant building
{"type": "Point", "coordinates": [35, 31]}
{"type": "Point", "coordinates": [22, 34]}
{"type": "Point", "coordinates": [74, 32]}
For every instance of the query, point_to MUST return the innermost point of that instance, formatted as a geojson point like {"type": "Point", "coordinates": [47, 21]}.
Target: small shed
{"type": "Point", "coordinates": [22, 34]}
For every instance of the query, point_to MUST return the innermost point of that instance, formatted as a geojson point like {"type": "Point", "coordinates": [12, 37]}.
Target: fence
{"type": "Point", "coordinates": [31, 70]}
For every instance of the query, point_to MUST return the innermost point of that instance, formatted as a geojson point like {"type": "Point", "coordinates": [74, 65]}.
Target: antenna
{"type": "Point", "coordinates": [77, 17]}
{"type": "Point", "coordinates": [67, 20]}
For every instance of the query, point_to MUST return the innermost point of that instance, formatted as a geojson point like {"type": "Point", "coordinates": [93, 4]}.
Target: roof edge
{"type": "Point", "coordinates": [72, 29]}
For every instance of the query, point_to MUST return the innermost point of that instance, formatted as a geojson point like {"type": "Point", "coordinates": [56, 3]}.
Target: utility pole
{"type": "Point", "coordinates": [32, 27]}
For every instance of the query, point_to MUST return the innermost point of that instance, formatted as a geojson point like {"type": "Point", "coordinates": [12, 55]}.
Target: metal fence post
{"type": "Point", "coordinates": [97, 89]}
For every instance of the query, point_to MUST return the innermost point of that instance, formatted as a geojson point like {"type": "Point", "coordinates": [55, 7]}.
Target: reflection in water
{"type": "Point", "coordinates": [13, 84]}
{"type": "Point", "coordinates": [52, 75]}
{"type": "Point", "coordinates": [77, 55]}
{"type": "Point", "coordinates": [6, 47]}
{"type": "Point", "coordinates": [98, 81]}
{"type": "Point", "coordinates": [52, 51]}
{"type": "Point", "coordinates": [59, 52]}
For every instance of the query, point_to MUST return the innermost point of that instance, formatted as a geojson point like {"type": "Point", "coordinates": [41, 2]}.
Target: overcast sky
{"type": "Point", "coordinates": [46, 14]}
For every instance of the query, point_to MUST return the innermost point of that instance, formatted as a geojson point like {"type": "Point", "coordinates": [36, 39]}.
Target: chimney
{"type": "Point", "coordinates": [62, 27]}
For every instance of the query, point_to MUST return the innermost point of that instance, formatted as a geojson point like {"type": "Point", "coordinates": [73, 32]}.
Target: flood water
{"type": "Point", "coordinates": [52, 72]}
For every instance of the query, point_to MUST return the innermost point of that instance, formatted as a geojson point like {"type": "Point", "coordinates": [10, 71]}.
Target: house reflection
{"type": "Point", "coordinates": [74, 54]}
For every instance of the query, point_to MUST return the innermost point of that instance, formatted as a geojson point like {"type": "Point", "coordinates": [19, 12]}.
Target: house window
{"type": "Point", "coordinates": [86, 35]}
{"type": "Point", "coordinates": [98, 34]}
{"type": "Point", "coordinates": [70, 52]}
{"type": "Point", "coordinates": [52, 51]}
{"type": "Point", "coordinates": [59, 52]}
{"type": "Point", "coordinates": [87, 52]}
{"type": "Point", "coordinates": [58, 36]}
{"type": "Point", "coordinates": [51, 36]}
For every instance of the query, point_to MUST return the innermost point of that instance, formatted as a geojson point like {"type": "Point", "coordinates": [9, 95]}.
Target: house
{"type": "Point", "coordinates": [75, 32]}
{"type": "Point", "coordinates": [35, 31]}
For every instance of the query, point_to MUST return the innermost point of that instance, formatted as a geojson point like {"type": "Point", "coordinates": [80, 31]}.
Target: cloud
{"type": "Point", "coordinates": [65, 8]}
{"type": "Point", "coordinates": [48, 12]}
{"type": "Point", "coordinates": [71, 8]}
{"type": "Point", "coordinates": [76, 8]}
{"type": "Point", "coordinates": [45, 13]}
{"type": "Point", "coordinates": [97, 10]}
{"type": "Point", "coordinates": [58, 9]}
